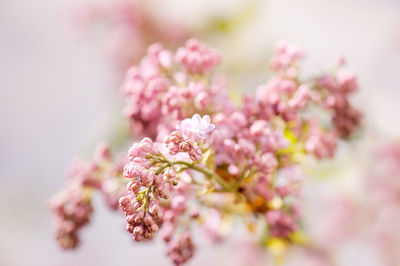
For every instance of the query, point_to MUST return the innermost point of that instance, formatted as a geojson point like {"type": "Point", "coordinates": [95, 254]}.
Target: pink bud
{"type": "Point", "coordinates": [258, 128]}
{"type": "Point", "coordinates": [139, 217]}
{"type": "Point", "coordinates": [169, 174]}
{"type": "Point", "coordinates": [154, 209]}
{"type": "Point", "coordinates": [178, 202]}
{"type": "Point", "coordinates": [175, 137]}
{"type": "Point", "coordinates": [238, 119]}
{"type": "Point", "coordinates": [130, 209]}
{"type": "Point", "coordinates": [133, 186]}
{"type": "Point", "coordinates": [138, 237]}
{"type": "Point", "coordinates": [137, 205]}
{"type": "Point", "coordinates": [167, 231]}
{"type": "Point", "coordinates": [173, 148]}
{"type": "Point", "coordinates": [130, 170]}
{"type": "Point", "coordinates": [129, 228]}
{"type": "Point", "coordinates": [134, 151]}
{"type": "Point", "coordinates": [138, 230]}
{"type": "Point", "coordinates": [130, 219]}
{"type": "Point", "coordinates": [158, 180]}
{"type": "Point", "coordinates": [202, 100]}
{"type": "Point", "coordinates": [148, 220]}
{"type": "Point", "coordinates": [102, 152]}
{"type": "Point", "coordinates": [165, 58]}
{"type": "Point", "coordinates": [195, 153]}
{"type": "Point", "coordinates": [154, 228]}
{"type": "Point", "coordinates": [146, 145]}
{"type": "Point", "coordinates": [163, 191]}
{"type": "Point", "coordinates": [169, 215]}
{"type": "Point", "coordinates": [124, 201]}
{"type": "Point", "coordinates": [147, 179]}
{"type": "Point", "coordinates": [148, 234]}
{"type": "Point", "coordinates": [185, 146]}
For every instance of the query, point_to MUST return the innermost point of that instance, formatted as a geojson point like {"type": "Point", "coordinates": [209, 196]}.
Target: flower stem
{"type": "Point", "coordinates": [145, 199]}
{"type": "Point", "coordinates": [208, 173]}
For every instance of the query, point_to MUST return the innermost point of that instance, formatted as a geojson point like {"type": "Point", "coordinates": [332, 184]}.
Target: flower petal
{"type": "Point", "coordinates": [210, 128]}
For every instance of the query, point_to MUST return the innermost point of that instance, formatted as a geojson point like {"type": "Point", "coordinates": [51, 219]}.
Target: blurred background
{"type": "Point", "coordinates": [59, 97]}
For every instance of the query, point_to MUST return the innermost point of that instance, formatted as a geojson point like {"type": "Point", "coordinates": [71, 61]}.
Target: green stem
{"type": "Point", "coordinates": [162, 168]}
{"type": "Point", "coordinates": [146, 196]}
{"type": "Point", "coordinates": [207, 173]}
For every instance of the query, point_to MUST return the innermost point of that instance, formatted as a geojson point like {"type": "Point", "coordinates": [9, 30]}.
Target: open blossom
{"type": "Point", "coordinates": [159, 99]}
{"type": "Point", "coordinates": [197, 125]}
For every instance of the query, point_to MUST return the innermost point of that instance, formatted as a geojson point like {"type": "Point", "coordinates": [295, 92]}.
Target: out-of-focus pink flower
{"type": "Point", "coordinates": [281, 225]}
{"type": "Point", "coordinates": [197, 57]}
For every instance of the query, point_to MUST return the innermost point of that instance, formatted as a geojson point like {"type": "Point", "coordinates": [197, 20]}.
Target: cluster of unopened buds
{"type": "Point", "coordinates": [72, 207]}
{"type": "Point", "coordinates": [202, 152]}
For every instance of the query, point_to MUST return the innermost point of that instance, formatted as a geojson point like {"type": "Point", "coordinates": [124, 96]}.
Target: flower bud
{"type": "Point", "coordinates": [154, 228]}
{"type": "Point", "coordinates": [130, 219]}
{"type": "Point", "coordinates": [169, 174]}
{"type": "Point", "coordinates": [195, 153]}
{"type": "Point", "coordinates": [147, 179]}
{"type": "Point", "coordinates": [139, 217]}
{"type": "Point", "coordinates": [129, 228]}
{"type": "Point", "coordinates": [133, 186]}
{"type": "Point", "coordinates": [146, 145]}
{"type": "Point", "coordinates": [148, 220]}
{"type": "Point", "coordinates": [134, 152]}
{"type": "Point", "coordinates": [138, 230]}
{"type": "Point", "coordinates": [124, 201]}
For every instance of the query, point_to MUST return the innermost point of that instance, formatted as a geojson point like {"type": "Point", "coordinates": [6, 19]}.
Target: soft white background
{"type": "Point", "coordinates": [57, 97]}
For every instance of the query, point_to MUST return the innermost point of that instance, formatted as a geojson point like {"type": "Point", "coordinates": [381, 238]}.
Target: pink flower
{"type": "Point", "coordinates": [252, 151]}
{"type": "Point", "coordinates": [146, 145]}
{"type": "Point", "coordinates": [196, 57]}
{"type": "Point", "coordinates": [180, 250]}
{"type": "Point", "coordinates": [195, 153]}
{"type": "Point", "coordinates": [197, 126]}
{"type": "Point", "coordinates": [132, 170]}
{"type": "Point", "coordinates": [281, 224]}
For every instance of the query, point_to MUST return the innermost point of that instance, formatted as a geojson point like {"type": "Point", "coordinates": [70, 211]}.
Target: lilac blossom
{"type": "Point", "coordinates": [244, 164]}
{"type": "Point", "coordinates": [197, 125]}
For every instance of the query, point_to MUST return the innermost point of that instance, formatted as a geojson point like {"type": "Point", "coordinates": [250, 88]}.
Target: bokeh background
{"type": "Point", "coordinates": [58, 98]}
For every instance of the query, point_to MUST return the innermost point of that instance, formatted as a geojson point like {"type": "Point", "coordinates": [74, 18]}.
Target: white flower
{"type": "Point", "coordinates": [197, 126]}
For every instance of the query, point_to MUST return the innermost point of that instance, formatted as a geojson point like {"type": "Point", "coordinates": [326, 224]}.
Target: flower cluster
{"type": "Point", "coordinates": [176, 219]}
{"type": "Point", "coordinates": [72, 207]}
{"type": "Point", "coordinates": [336, 90]}
{"type": "Point", "coordinates": [202, 152]}
{"type": "Point", "coordinates": [181, 250]}
{"type": "Point", "coordinates": [140, 205]}
{"type": "Point", "coordinates": [373, 212]}
{"type": "Point", "coordinates": [381, 205]}
{"type": "Point", "coordinates": [165, 88]}
{"type": "Point", "coordinates": [71, 212]}
{"type": "Point", "coordinates": [197, 57]}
